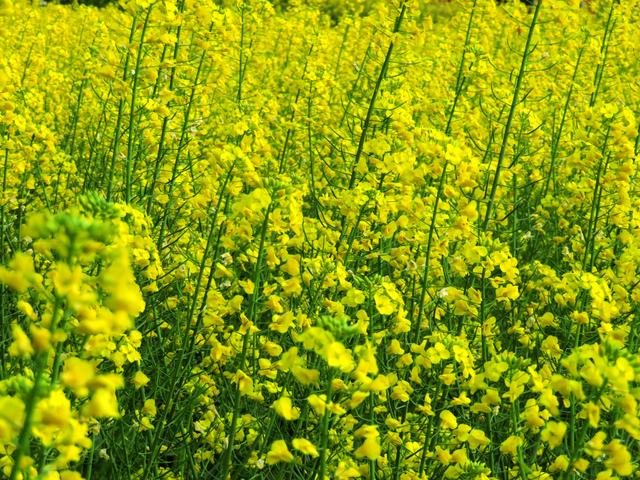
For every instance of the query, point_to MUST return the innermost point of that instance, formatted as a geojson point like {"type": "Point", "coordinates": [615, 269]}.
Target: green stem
{"type": "Point", "coordinates": [117, 133]}
{"type": "Point", "coordinates": [226, 461]}
{"type": "Point", "coordinates": [514, 103]}
{"type": "Point", "coordinates": [427, 255]}
{"type": "Point", "coordinates": [132, 108]}
{"type": "Point", "coordinates": [24, 437]}
{"type": "Point", "coordinates": [374, 96]}
{"type": "Point", "coordinates": [324, 436]}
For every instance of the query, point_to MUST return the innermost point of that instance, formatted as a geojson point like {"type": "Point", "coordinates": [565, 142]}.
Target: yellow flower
{"type": "Point", "coordinates": [69, 475]}
{"type": "Point", "coordinates": [581, 464]}
{"type": "Point", "coordinates": [339, 357]}
{"type": "Point", "coordinates": [274, 304]}
{"type": "Point", "coordinates": [402, 391]}
{"type": "Point", "coordinates": [511, 444]}
{"type": "Point", "coordinates": [77, 374]}
{"type": "Point", "coordinates": [318, 403]}
{"type": "Point", "coordinates": [379, 384]}
{"type": "Point", "coordinates": [53, 415]}
{"type": "Point", "coordinates": [591, 412]}
{"type": "Point", "coordinates": [516, 385]}
{"type": "Point", "coordinates": [305, 376]}
{"type": "Point", "coordinates": [353, 298]}
{"type": "Point", "coordinates": [40, 338]}
{"type": "Point", "coordinates": [370, 447]}
{"type": "Point", "coordinates": [21, 345]}
{"type": "Point", "coordinates": [595, 446]}
{"type": "Point", "coordinates": [443, 456]}
{"type": "Point", "coordinates": [551, 347]}
{"type": "Point", "coordinates": [459, 456]}
{"type": "Point", "coordinates": [506, 293]}
{"type": "Point", "coordinates": [123, 292]}
{"type": "Point", "coordinates": [103, 403]}
{"type": "Point", "coordinates": [394, 347]}
{"type": "Point", "coordinates": [357, 398]}
{"type": "Point", "coordinates": [460, 400]}
{"type": "Point", "coordinates": [316, 339]}
{"type": "Point", "coordinates": [291, 287]}
{"type": "Point", "coordinates": [305, 446]}
{"type": "Point", "coordinates": [448, 420]}
{"type": "Point", "coordinates": [149, 407]}
{"type": "Point", "coordinates": [272, 348]}
{"type": "Point", "coordinates": [384, 305]}
{"type": "Point", "coordinates": [477, 439]}
{"type": "Point", "coordinates": [336, 409]}
{"type": "Point", "coordinates": [245, 383]}
{"type": "Point", "coordinates": [606, 475]}
{"type": "Point", "coordinates": [27, 309]}
{"type": "Point", "coordinates": [139, 380]}
{"type": "Point", "coordinates": [553, 433]}
{"type": "Point", "coordinates": [591, 374]}
{"type": "Point", "coordinates": [11, 417]}
{"type": "Point", "coordinates": [560, 464]}
{"type": "Point", "coordinates": [145, 424]}
{"type": "Point", "coordinates": [278, 453]}
{"type": "Point", "coordinates": [248, 286]}
{"type": "Point", "coordinates": [462, 432]}
{"type": "Point", "coordinates": [20, 273]}
{"type": "Point", "coordinates": [285, 409]}
{"type": "Point", "coordinates": [618, 458]}
{"type": "Point", "coordinates": [344, 471]}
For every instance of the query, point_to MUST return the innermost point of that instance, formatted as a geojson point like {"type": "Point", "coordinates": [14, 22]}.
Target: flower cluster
{"type": "Point", "coordinates": [306, 239]}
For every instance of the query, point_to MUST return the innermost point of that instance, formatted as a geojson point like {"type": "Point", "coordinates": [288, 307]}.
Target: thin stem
{"type": "Point", "coordinates": [512, 110]}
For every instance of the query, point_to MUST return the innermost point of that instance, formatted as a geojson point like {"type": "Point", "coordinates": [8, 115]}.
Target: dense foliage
{"type": "Point", "coordinates": [397, 241]}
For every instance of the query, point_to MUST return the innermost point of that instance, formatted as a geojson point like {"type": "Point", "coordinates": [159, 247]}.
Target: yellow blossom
{"type": "Point", "coordinates": [448, 419]}
{"type": "Point", "coordinates": [284, 407]}
{"type": "Point", "coordinates": [553, 433]}
{"type": "Point", "coordinates": [305, 446]}
{"type": "Point", "coordinates": [279, 452]}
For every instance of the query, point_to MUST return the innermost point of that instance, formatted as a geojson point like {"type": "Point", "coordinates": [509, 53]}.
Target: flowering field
{"type": "Point", "coordinates": [320, 240]}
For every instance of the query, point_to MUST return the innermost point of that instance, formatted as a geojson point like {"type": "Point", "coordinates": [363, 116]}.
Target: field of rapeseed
{"type": "Point", "coordinates": [315, 239]}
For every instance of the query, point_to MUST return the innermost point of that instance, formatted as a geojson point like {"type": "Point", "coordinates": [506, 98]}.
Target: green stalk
{"type": "Point", "coordinates": [324, 436]}
{"type": "Point", "coordinates": [595, 203]}
{"type": "Point", "coordinates": [181, 145]}
{"type": "Point", "coordinates": [76, 114]}
{"type": "Point", "coordinates": [514, 102]}
{"type": "Point", "coordinates": [94, 147]}
{"type": "Point", "coordinates": [356, 84]}
{"type": "Point", "coordinates": [290, 130]}
{"type": "Point", "coordinates": [241, 55]}
{"type": "Point", "coordinates": [177, 374]}
{"type": "Point", "coordinates": [590, 242]}
{"type": "Point", "coordinates": [367, 121]}
{"type": "Point", "coordinates": [257, 278]}
{"type": "Point", "coordinates": [604, 50]}
{"type": "Point", "coordinates": [458, 92]}
{"type": "Point", "coordinates": [24, 437]}
{"type": "Point", "coordinates": [205, 256]}
{"type": "Point", "coordinates": [425, 275]}
{"type": "Point", "coordinates": [341, 50]}
{"type": "Point", "coordinates": [374, 96]}
{"type": "Point", "coordinates": [3, 253]}
{"type": "Point", "coordinates": [522, 466]}
{"type": "Point", "coordinates": [556, 140]}
{"type": "Point", "coordinates": [30, 407]}
{"type": "Point", "coordinates": [132, 108]}
{"type": "Point", "coordinates": [165, 121]}
{"type": "Point", "coordinates": [117, 133]}
{"type": "Point", "coordinates": [460, 75]}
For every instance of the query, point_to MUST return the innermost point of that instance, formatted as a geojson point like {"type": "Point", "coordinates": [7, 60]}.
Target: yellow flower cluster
{"type": "Point", "coordinates": [320, 239]}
